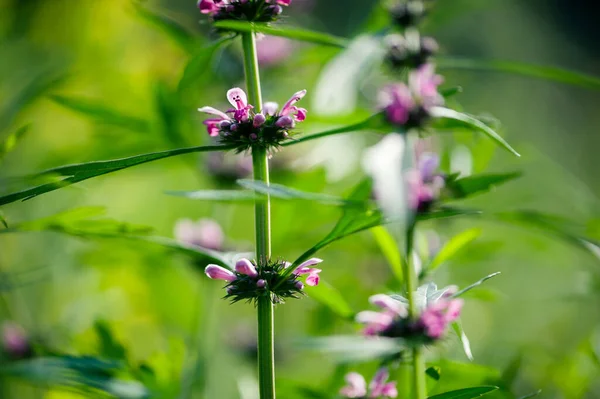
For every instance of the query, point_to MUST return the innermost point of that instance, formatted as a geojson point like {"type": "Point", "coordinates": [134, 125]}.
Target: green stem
{"type": "Point", "coordinates": [262, 220]}
{"type": "Point", "coordinates": [412, 281]}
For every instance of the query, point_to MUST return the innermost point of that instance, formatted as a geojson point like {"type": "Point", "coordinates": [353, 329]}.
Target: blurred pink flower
{"type": "Point", "coordinates": [14, 339]}
{"type": "Point", "coordinates": [273, 50]}
{"type": "Point", "coordinates": [436, 318]}
{"type": "Point", "coordinates": [378, 388]}
{"type": "Point", "coordinates": [205, 233]}
{"type": "Point", "coordinates": [423, 184]}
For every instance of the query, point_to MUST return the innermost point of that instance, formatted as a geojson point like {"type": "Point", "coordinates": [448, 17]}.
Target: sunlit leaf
{"type": "Point", "coordinates": [290, 33]}
{"type": "Point", "coordinates": [476, 284]}
{"type": "Point", "coordinates": [466, 393]}
{"type": "Point", "coordinates": [532, 71]}
{"type": "Point", "coordinates": [354, 348]}
{"type": "Point", "coordinates": [199, 64]}
{"type": "Point", "coordinates": [327, 295]}
{"type": "Point", "coordinates": [178, 33]}
{"type": "Point", "coordinates": [11, 141]}
{"type": "Point", "coordinates": [468, 186]}
{"type": "Point", "coordinates": [452, 247]}
{"type": "Point", "coordinates": [459, 119]}
{"type": "Point", "coordinates": [388, 246]}
{"type": "Point", "coordinates": [76, 173]}
{"type": "Point", "coordinates": [460, 333]}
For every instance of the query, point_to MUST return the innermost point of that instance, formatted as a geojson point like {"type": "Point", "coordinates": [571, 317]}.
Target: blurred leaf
{"type": "Point", "coordinates": [168, 109]}
{"type": "Point", "coordinates": [453, 118]}
{"type": "Point", "coordinates": [532, 395]}
{"type": "Point", "coordinates": [217, 195]}
{"type": "Point", "coordinates": [533, 71]}
{"type": "Point", "coordinates": [374, 122]}
{"type": "Point", "coordinates": [446, 212]}
{"type": "Point", "coordinates": [79, 172]}
{"type": "Point", "coordinates": [476, 284]}
{"type": "Point", "coordinates": [388, 246]}
{"type": "Point", "coordinates": [354, 348]}
{"type": "Point", "coordinates": [452, 247]}
{"type": "Point", "coordinates": [199, 64]}
{"type": "Point", "coordinates": [11, 141]}
{"type": "Point", "coordinates": [3, 220]}
{"type": "Point", "coordinates": [434, 372]}
{"type": "Point", "coordinates": [471, 185]}
{"type": "Point", "coordinates": [327, 295]}
{"type": "Point", "coordinates": [451, 91]}
{"type": "Point", "coordinates": [288, 193]}
{"type": "Point", "coordinates": [460, 333]}
{"type": "Point", "coordinates": [291, 33]}
{"type": "Point", "coordinates": [178, 33]}
{"type": "Point", "coordinates": [466, 393]}
{"type": "Point", "coordinates": [109, 346]}
{"type": "Point", "coordinates": [98, 112]}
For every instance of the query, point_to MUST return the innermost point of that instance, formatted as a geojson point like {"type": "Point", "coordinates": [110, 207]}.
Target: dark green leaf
{"type": "Point", "coordinates": [288, 193]}
{"type": "Point", "coordinates": [178, 33]}
{"type": "Point", "coordinates": [471, 185]}
{"type": "Point", "coordinates": [466, 344]}
{"type": "Point", "coordinates": [533, 71]}
{"type": "Point", "coordinates": [11, 141]}
{"type": "Point", "coordinates": [327, 295]}
{"type": "Point", "coordinates": [76, 173]}
{"type": "Point", "coordinates": [476, 284]}
{"type": "Point", "coordinates": [109, 346]}
{"type": "Point", "coordinates": [199, 64]}
{"type": "Point", "coordinates": [291, 33]}
{"type": "Point", "coordinates": [434, 372]}
{"type": "Point", "coordinates": [452, 247]}
{"type": "Point", "coordinates": [100, 113]}
{"type": "Point", "coordinates": [354, 348]}
{"type": "Point", "coordinates": [466, 121]}
{"type": "Point", "coordinates": [466, 393]}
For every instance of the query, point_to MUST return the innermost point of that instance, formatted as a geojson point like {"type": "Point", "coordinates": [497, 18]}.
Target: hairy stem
{"type": "Point", "coordinates": [262, 221]}
{"type": "Point", "coordinates": [412, 281]}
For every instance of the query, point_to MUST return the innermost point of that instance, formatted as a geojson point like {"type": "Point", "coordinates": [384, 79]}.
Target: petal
{"type": "Point", "coordinates": [312, 279]}
{"type": "Point", "coordinates": [293, 100]}
{"type": "Point", "coordinates": [428, 164]}
{"type": "Point", "coordinates": [371, 317]}
{"type": "Point", "coordinates": [284, 2]}
{"type": "Point", "coordinates": [356, 388]}
{"type": "Point", "coordinates": [219, 273]}
{"type": "Point", "coordinates": [389, 390]}
{"type": "Point", "coordinates": [244, 266]}
{"type": "Point", "coordinates": [387, 302]}
{"type": "Point", "coordinates": [213, 111]}
{"type": "Point", "coordinates": [237, 97]}
{"type": "Point", "coordinates": [300, 114]}
{"type": "Point", "coordinates": [378, 382]}
{"type": "Point", "coordinates": [453, 310]}
{"type": "Point", "coordinates": [310, 262]}
{"type": "Point", "coordinates": [270, 108]}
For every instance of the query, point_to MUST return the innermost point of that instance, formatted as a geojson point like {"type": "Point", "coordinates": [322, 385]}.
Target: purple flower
{"type": "Point", "coordinates": [375, 322]}
{"type": "Point", "coordinates": [219, 273]}
{"type": "Point", "coordinates": [423, 184]}
{"type": "Point", "coordinates": [436, 317]}
{"type": "Point", "coordinates": [397, 102]}
{"type": "Point", "coordinates": [14, 339]}
{"type": "Point", "coordinates": [209, 6]}
{"type": "Point", "coordinates": [231, 9]}
{"type": "Point", "coordinates": [273, 50]}
{"type": "Point", "coordinates": [378, 388]}
{"type": "Point", "coordinates": [205, 233]}
{"type": "Point", "coordinates": [424, 85]}
{"type": "Point", "coordinates": [244, 266]}
{"type": "Point", "coordinates": [313, 273]}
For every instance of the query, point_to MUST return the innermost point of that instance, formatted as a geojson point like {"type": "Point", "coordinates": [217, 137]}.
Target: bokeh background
{"type": "Point", "coordinates": [101, 80]}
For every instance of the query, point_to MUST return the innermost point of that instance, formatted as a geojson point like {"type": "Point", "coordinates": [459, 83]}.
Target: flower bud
{"type": "Point", "coordinates": [299, 285]}
{"type": "Point", "coordinates": [408, 14]}
{"type": "Point", "coordinates": [286, 122]}
{"type": "Point", "coordinates": [244, 266]}
{"type": "Point", "coordinates": [219, 273]}
{"type": "Point", "coordinates": [259, 120]}
{"type": "Point", "coordinates": [253, 136]}
{"type": "Point", "coordinates": [261, 283]}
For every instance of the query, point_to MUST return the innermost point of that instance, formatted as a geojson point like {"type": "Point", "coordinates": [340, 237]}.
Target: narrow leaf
{"type": "Point", "coordinates": [533, 71]}
{"type": "Point", "coordinates": [474, 124]}
{"type": "Point", "coordinates": [199, 64]}
{"type": "Point", "coordinates": [531, 395]}
{"type": "Point", "coordinates": [11, 141]}
{"type": "Point", "coordinates": [446, 212]}
{"type": "Point", "coordinates": [476, 184]}
{"type": "Point", "coordinates": [178, 33]}
{"type": "Point", "coordinates": [79, 172]}
{"type": "Point", "coordinates": [290, 33]}
{"type": "Point", "coordinates": [460, 333]}
{"type": "Point", "coordinates": [466, 393]}
{"type": "Point", "coordinates": [3, 220]}
{"type": "Point", "coordinates": [217, 195]}
{"type": "Point", "coordinates": [476, 284]}
{"type": "Point", "coordinates": [452, 247]}
{"type": "Point", "coordinates": [288, 193]}
{"type": "Point", "coordinates": [327, 295]}
{"type": "Point", "coordinates": [354, 348]}
{"type": "Point", "coordinates": [388, 246]}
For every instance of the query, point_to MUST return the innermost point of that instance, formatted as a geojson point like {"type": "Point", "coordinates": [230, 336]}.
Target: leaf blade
{"type": "Point", "coordinates": [327, 295]}
{"type": "Point", "coordinates": [466, 393]}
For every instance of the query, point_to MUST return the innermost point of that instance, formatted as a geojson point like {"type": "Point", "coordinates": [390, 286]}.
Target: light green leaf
{"type": "Point", "coordinates": [388, 246]}
{"type": "Point", "coordinates": [290, 33]}
{"type": "Point", "coordinates": [464, 120]}
{"type": "Point", "coordinates": [452, 247]}
{"type": "Point", "coordinates": [446, 212]}
{"type": "Point", "coordinates": [178, 33]}
{"type": "Point", "coordinates": [460, 333]}
{"type": "Point", "coordinates": [327, 295]}
{"type": "Point", "coordinates": [476, 284]}
{"type": "Point", "coordinates": [531, 395]}
{"type": "Point", "coordinates": [466, 393]}
{"type": "Point", "coordinates": [100, 113]}
{"type": "Point", "coordinates": [11, 141]}
{"type": "Point", "coordinates": [354, 348]}
{"type": "Point", "coordinates": [3, 220]}
{"type": "Point", "coordinates": [533, 71]}
{"type": "Point", "coordinates": [217, 195]}
{"type": "Point", "coordinates": [76, 173]}
{"type": "Point", "coordinates": [476, 184]}
{"type": "Point", "coordinates": [288, 193]}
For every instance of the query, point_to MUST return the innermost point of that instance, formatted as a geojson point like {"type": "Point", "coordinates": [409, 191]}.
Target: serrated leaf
{"type": "Point", "coordinates": [327, 295]}
{"type": "Point", "coordinates": [354, 348]}
{"type": "Point", "coordinates": [467, 121]}
{"type": "Point", "coordinates": [468, 186]}
{"type": "Point", "coordinates": [178, 33]}
{"type": "Point", "coordinates": [452, 247]}
{"type": "Point", "coordinates": [533, 71]}
{"type": "Point", "coordinates": [76, 173]}
{"type": "Point", "coordinates": [466, 393]}
{"type": "Point", "coordinates": [388, 246]}
{"type": "Point", "coordinates": [99, 112]}
{"type": "Point", "coordinates": [476, 284]}
{"type": "Point", "coordinates": [199, 64]}
{"type": "Point", "coordinates": [289, 193]}
{"type": "Point", "coordinates": [464, 340]}
{"type": "Point", "coordinates": [11, 141]}
{"type": "Point", "coordinates": [291, 33]}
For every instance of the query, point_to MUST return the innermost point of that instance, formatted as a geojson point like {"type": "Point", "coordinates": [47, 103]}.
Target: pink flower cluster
{"type": "Point", "coordinates": [378, 388]}
{"type": "Point", "coordinates": [262, 10]}
{"type": "Point", "coordinates": [393, 320]}
{"type": "Point", "coordinates": [424, 185]}
{"type": "Point", "coordinates": [409, 105]}
{"type": "Point", "coordinates": [205, 233]}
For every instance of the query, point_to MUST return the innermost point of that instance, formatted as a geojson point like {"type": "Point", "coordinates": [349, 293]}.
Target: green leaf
{"type": "Point", "coordinates": [471, 185]}
{"type": "Point", "coordinates": [434, 372]}
{"type": "Point", "coordinates": [11, 141]}
{"type": "Point", "coordinates": [354, 348]}
{"type": "Point", "coordinates": [102, 114]}
{"type": "Point", "coordinates": [109, 346]}
{"type": "Point", "coordinates": [446, 212]}
{"type": "Point", "coordinates": [466, 393]}
{"type": "Point", "coordinates": [375, 122]}
{"type": "Point", "coordinates": [290, 33]}
{"type": "Point", "coordinates": [460, 333]}
{"type": "Point", "coordinates": [533, 71]}
{"type": "Point", "coordinates": [199, 64]}
{"type": "Point", "coordinates": [466, 121]}
{"type": "Point", "coordinates": [76, 173]}
{"type": "Point", "coordinates": [178, 33]}
{"type": "Point", "coordinates": [476, 284]}
{"type": "Point", "coordinates": [3, 220]}
{"type": "Point", "coordinates": [327, 295]}
{"type": "Point", "coordinates": [217, 195]}
{"type": "Point", "coordinates": [531, 395]}
{"type": "Point", "coordinates": [388, 246]}
{"type": "Point", "coordinates": [288, 193]}
{"type": "Point", "coordinates": [452, 247]}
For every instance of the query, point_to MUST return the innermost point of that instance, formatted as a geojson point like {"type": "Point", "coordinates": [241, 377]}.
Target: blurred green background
{"type": "Point", "coordinates": [537, 326]}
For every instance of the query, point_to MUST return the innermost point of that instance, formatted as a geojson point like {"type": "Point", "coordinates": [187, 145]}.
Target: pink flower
{"type": "Point", "coordinates": [219, 273]}
{"type": "Point", "coordinates": [209, 6]}
{"type": "Point", "coordinates": [205, 233]}
{"type": "Point", "coordinates": [375, 322]}
{"type": "Point", "coordinates": [424, 85]}
{"type": "Point", "coordinates": [244, 266]}
{"type": "Point", "coordinates": [273, 50]}
{"type": "Point", "coordinates": [378, 388]}
{"type": "Point", "coordinates": [237, 97]}
{"type": "Point", "coordinates": [14, 339]}
{"type": "Point", "coordinates": [390, 304]}
{"type": "Point", "coordinates": [423, 184]}
{"type": "Point", "coordinates": [436, 317]}
{"type": "Point", "coordinates": [397, 102]}
{"type": "Point", "coordinates": [313, 273]}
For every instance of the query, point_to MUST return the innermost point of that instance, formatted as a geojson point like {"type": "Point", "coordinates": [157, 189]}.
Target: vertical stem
{"type": "Point", "coordinates": [412, 281]}
{"type": "Point", "coordinates": [262, 217]}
